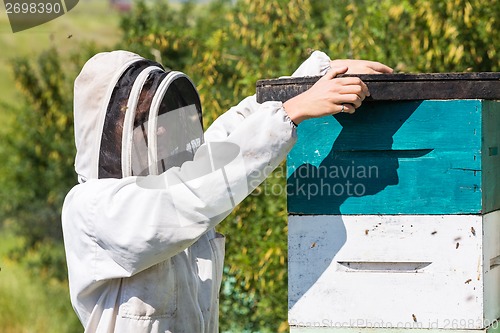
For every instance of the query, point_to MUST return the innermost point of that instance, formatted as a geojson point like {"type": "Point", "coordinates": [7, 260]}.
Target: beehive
{"type": "Point", "coordinates": [394, 212]}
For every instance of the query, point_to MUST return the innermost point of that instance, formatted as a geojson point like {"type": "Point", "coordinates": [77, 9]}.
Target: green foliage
{"type": "Point", "coordinates": [38, 154]}
{"type": "Point", "coordinates": [415, 35]}
{"type": "Point", "coordinates": [160, 32]}
{"type": "Point", "coordinates": [256, 261]}
{"type": "Point", "coordinates": [29, 303]}
{"type": "Point", "coordinates": [225, 46]}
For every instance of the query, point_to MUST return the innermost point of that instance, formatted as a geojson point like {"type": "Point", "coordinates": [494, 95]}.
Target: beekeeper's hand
{"type": "Point", "coordinates": [361, 66]}
{"type": "Point", "coordinates": [328, 96]}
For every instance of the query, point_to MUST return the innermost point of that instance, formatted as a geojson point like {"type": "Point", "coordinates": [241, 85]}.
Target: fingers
{"type": "Point", "coordinates": [362, 66]}
{"type": "Point", "coordinates": [352, 93]}
{"type": "Point", "coordinates": [353, 85]}
{"type": "Point", "coordinates": [372, 67]}
{"type": "Point", "coordinates": [344, 94]}
{"type": "Point", "coordinates": [347, 108]}
{"type": "Point", "coordinates": [348, 85]}
{"type": "Point", "coordinates": [333, 72]}
{"type": "Point", "coordinates": [378, 68]}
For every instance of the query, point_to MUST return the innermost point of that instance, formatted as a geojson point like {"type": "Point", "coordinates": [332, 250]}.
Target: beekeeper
{"type": "Point", "coordinates": [142, 252]}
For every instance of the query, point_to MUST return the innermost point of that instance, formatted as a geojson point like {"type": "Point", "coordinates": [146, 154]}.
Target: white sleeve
{"type": "Point", "coordinates": [135, 223]}
{"type": "Point", "coordinates": [318, 63]}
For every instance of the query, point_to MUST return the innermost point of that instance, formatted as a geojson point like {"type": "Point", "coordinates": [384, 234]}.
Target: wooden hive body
{"type": "Point", "coordinates": [394, 212]}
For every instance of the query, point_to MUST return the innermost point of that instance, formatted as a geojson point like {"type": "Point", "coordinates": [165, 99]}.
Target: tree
{"type": "Point", "coordinates": [415, 35]}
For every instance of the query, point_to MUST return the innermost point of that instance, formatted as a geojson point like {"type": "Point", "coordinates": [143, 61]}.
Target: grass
{"type": "Point", "coordinates": [29, 304]}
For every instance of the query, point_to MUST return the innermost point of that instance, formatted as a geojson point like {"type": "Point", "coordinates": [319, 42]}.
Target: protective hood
{"type": "Point", "coordinates": [133, 117]}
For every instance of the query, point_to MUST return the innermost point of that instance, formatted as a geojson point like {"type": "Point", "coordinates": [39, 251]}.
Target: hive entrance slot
{"type": "Point", "coordinates": [379, 266]}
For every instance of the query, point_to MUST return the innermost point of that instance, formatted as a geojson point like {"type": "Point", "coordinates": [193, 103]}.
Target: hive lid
{"type": "Point", "coordinates": [396, 87]}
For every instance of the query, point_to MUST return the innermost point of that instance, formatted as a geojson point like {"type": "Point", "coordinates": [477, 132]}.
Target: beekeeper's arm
{"type": "Point", "coordinates": [317, 64]}
{"type": "Point", "coordinates": [137, 222]}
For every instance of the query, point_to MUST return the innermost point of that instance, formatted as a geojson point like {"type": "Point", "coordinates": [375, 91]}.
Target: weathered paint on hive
{"type": "Point", "coordinates": [416, 157]}
{"type": "Point", "coordinates": [396, 87]}
{"type": "Point", "coordinates": [367, 269]}
{"type": "Point", "coordinates": [491, 155]}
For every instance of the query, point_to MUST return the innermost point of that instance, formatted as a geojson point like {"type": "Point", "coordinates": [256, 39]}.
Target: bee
{"type": "Point", "coordinates": [414, 317]}
{"type": "Point", "coordinates": [473, 231]}
{"type": "Point", "coordinates": [367, 231]}
{"type": "Point", "coordinates": [69, 36]}
{"type": "Point", "coordinates": [468, 281]}
{"type": "Point", "coordinates": [434, 232]}
{"type": "Point", "coordinates": [456, 246]}
{"type": "Point", "coordinates": [313, 245]}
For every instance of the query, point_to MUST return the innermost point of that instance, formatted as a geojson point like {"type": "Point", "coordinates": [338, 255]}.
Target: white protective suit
{"type": "Point", "coordinates": [140, 244]}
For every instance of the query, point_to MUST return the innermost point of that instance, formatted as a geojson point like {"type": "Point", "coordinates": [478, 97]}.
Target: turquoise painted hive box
{"type": "Point", "coordinates": [407, 157]}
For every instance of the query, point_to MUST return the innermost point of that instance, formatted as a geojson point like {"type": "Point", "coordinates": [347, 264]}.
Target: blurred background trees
{"type": "Point", "coordinates": [225, 46]}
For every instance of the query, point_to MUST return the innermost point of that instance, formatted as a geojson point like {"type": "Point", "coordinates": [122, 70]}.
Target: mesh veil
{"type": "Point", "coordinates": [153, 122]}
